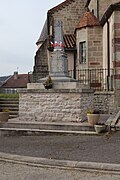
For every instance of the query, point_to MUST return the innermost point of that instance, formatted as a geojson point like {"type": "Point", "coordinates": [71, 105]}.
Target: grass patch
{"type": "Point", "coordinates": [9, 95]}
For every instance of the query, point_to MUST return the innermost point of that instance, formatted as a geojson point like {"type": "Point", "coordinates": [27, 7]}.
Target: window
{"type": "Point", "coordinates": [82, 52]}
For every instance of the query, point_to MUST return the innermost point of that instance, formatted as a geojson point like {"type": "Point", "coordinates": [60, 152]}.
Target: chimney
{"type": "Point", "coordinates": [15, 75]}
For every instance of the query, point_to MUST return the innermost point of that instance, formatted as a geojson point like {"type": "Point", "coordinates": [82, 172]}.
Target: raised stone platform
{"type": "Point", "coordinates": [58, 85]}
{"type": "Point", "coordinates": [55, 105]}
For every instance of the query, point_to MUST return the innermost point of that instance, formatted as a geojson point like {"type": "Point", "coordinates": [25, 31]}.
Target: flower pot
{"type": "Point", "coordinates": [93, 119]}
{"type": "Point", "coordinates": [99, 128]}
{"type": "Point", "coordinates": [4, 116]}
{"type": "Point", "coordinates": [49, 86]}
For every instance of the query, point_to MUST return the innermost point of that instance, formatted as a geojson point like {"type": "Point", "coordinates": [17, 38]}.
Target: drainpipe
{"type": "Point", "coordinates": [98, 9]}
{"type": "Point", "coordinates": [74, 64]}
{"type": "Point", "coordinates": [108, 54]}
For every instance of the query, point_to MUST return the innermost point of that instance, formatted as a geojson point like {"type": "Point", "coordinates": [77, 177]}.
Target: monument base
{"type": "Point", "coordinates": [68, 105]}
{"type": "Point", "coordinates": [59, 85]}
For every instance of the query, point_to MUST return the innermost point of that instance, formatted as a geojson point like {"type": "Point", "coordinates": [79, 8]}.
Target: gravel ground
{"type": "Point", "coordinates": [101, 149]}
{"type": "Point", "coordinates": [10, 171]}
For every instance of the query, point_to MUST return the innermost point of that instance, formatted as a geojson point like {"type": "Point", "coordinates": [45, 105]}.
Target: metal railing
{"type": "Point", "coordinates": [96, 79]}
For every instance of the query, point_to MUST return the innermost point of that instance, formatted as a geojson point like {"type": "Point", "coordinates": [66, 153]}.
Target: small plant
{"type": "Point", "coordinates": [48, 83]}
{"type": "Point", "coordinates": [5, 110]}
{"type": "Point", "coordinates": [100, 123]}
{"type": "Point", "coordinates": [93, 112]}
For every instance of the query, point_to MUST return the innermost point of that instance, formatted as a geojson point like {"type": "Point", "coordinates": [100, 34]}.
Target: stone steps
{"type": "Point", "coordinates": [12, 104]}
{"type": "Point", "coordinates": [49, 125]}
{"type": "Point", "coordinates": [28, 128]}
{"type": "Point", "coordinates": [28, 132]}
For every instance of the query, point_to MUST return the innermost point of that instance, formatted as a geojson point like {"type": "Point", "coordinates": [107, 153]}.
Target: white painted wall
{"type": "Point", "coordinates": [111, 36]}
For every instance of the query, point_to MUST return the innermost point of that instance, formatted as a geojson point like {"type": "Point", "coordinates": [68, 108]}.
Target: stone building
{"type": "Point", "coordinates": [91, 39]}
{"type": "Point", "coordinates": [70, 12]}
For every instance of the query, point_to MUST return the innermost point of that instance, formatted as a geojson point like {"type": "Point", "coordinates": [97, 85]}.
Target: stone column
{"type": "Point", "coordinates": [58, 61]}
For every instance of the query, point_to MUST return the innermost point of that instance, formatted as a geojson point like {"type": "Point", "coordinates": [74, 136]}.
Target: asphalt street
{"type": "Point", "coordinates": [102, 149]}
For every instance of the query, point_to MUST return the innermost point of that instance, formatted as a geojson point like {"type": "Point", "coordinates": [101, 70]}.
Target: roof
{"type": "Point", "coordinates": [4, 79]}
{"type": "Point", "coordinates": [109, 11]}
{"type": "Point", "coordinates": [19, 82]}
{"type": "Point", "coordinates": [43, 35]}
{"type": "Point", "coordinates": [88, 19]}
{"type": "Point", "coordinates": [70, 41]}
{"type": "Point", "coordinates": [60, 6]}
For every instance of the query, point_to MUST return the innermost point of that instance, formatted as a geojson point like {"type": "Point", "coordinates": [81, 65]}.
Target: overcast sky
{"type": "Point", "coordinates": [21, 22]}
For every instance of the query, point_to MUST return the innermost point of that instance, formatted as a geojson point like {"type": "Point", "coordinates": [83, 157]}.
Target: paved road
{"type": "Point", "coordinates": [10, 171]}
{"type": "Point", "coordinates": [77, 148]}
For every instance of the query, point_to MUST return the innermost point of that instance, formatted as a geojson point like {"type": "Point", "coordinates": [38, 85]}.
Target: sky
{"type": "Point", "coordinates": [21, 22]}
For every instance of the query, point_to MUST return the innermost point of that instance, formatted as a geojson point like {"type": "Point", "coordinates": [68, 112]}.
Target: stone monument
{"type": "Point", "coordinates": [58, 65]}
{"type": "Point", "coordinates": [66, 101]}
{"type": "Point", "coordinates": [58, 61]}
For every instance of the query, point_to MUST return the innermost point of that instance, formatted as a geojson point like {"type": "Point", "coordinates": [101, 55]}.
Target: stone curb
{"type": "Point", "coordinates": [64, 164]}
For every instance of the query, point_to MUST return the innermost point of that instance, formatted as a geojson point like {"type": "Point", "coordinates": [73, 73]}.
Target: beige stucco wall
{"type": "Point", "coordinates": [111, 37]}
{"type": "Point", "coordinates": [93, 6]}
{"type": "Point", "coordinates": [114, 23]}
{"type": "Point", "coordinates": [105, 46]}
{"type": "Point", "coordinates": [103, 6]}
{"type": "Point", "coordinates": [111, 22]}
{"type": "Point", "coordinates": [70, 57]}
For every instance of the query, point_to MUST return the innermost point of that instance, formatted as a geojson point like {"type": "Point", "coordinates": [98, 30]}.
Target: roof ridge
{"type": "Point", "coordinates": [60, 6]}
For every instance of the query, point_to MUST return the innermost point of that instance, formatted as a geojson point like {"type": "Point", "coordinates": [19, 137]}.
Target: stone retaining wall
{"type": "Point", "coordinates": [105, 102]}
{"type": "Point", "coordinates": [62, 105]}
{"type": "Point", "coordinates": [54, 106]}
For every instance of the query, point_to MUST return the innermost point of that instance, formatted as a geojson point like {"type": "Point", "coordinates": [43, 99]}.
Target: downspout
{"type": "Point", "coordinates": [98, 9]}
{"type": "Point", "coordinates": [48, 30]}
{"type": "Point", "coordinates": [74, 64]}
{"type": "Point", "coordinates": [48, 35]}
{"type": "Point", "coordinates": [108, 54]}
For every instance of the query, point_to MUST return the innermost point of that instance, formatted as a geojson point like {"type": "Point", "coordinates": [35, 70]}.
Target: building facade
{"type": "Point", "coordinates": [91, 39]}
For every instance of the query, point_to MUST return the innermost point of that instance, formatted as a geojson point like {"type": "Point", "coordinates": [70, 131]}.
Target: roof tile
{"type": "Point", "coordinates": [69, 41]}
{"type": "Point", "coordinates": [88, 19]}
{"type": "Point", "coordinates": [19, 82]}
